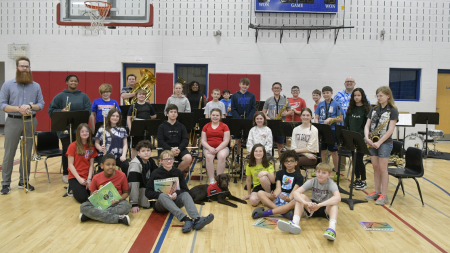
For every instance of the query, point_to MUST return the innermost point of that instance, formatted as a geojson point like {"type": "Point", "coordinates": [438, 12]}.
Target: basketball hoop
{"type": "Point", "coordinates": [99, 10]}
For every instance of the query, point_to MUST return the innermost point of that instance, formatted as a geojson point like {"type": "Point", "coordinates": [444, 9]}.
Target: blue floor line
{"type": "Point", "coordinates": [163, 234]}
{"type": "Point", "coordinates": [169, 220]}
{"type": "Point", "coordinates": [415, 198]}
{"type": "Point", "coordinates": [195, 235]}
{"type": "Point", "coordinates": [437, 186]}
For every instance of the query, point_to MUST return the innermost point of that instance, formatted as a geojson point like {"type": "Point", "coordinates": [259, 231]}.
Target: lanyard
{"type": "Point", "coordinates": [326, 108]}
{"type": "Point", "coordinates": [276, 103]}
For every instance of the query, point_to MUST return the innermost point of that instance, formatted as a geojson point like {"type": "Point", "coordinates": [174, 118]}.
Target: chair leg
{"type": "Point", "coordinates": [403, 189]}
{"type": "Point", "coordinates": [35, 168]}
{"type": "Point", "coordinates": [396, 190]}
{"type": "Point", "coordinates": [420, 192]}
{"type": "Point", "coordinates": [46, 168]}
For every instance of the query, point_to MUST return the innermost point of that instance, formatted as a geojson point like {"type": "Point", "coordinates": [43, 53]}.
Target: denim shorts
{"type": "Point", "coordinates": [383, 152]}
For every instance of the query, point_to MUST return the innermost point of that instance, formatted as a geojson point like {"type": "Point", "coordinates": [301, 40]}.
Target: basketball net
{"type": "Point", "coordinates": [98, 11]}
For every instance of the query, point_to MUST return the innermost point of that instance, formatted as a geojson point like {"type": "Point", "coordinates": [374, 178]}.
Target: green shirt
{"type": "Point", "coordinates": [254, 171]}
{"type": "Point", "coordinates": [356, 121]}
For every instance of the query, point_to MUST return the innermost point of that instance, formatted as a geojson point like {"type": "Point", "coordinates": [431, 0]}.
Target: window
{"type": "Point", "coordinates": [192, 72]}
{"type": "Point", "coordinates": [405, 84]}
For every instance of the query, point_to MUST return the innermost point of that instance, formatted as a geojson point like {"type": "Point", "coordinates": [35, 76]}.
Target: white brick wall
{"type": "Point", "coordinates": [417, 36]}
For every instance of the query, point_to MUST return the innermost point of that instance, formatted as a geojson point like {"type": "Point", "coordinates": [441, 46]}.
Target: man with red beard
{"type": "Point", "coordinates": [19, 97]}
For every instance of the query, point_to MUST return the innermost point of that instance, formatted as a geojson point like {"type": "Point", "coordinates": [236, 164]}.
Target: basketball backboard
{"type": "Point", "coordinates": [123, 13]}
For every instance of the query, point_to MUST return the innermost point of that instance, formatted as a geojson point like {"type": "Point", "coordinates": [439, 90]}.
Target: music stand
{"type": "Point", "coordinates": [159, 107]}
{"type": "Point", "coordinates": [188, 120]}
{"type": "Point", "coordinates": [161, 116]}
{"type": "Point", "coordinates": [240, 127]}
{"type": "Point", "coordinates": [427, 118]}
{"type": "Point", "coordinates": [355, 142]}
{"type": "Point", "coordinates": [260, 105]}
{"type": "Point", "coordinates": [326, 136]}
{"type": "Point", "coordinates": [339, 139]}
{"type": "Point", "coordinates": [287, 128]}
{"type": "Point", "coordinates": [62, 121]}
{"type": "Point", "coordinates": [405, 120]}
{"type": "Point", "coordinates": [148, 127]}
{"type": "Point", "coordinates": [124, 110]}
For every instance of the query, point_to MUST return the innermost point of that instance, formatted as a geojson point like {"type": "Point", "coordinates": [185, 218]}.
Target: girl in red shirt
{"type": "Point", "coordinates": [215, 139]}
{"type": "Point", "coordinates": [80, 155]}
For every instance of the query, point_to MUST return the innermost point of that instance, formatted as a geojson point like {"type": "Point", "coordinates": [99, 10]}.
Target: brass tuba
{"type": "Point", "coordinates": [147, 80]}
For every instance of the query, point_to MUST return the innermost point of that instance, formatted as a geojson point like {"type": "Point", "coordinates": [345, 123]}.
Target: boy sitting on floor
{"type": "Point", "coordinates": [173, 202]}
{"type": "Point", "coordinates": [323, 203]}
{"type": "Point", "coordinates": [141, 167]}
{"type": "Point", "coordinates": [117, 212]}
{"type": "Point", "coordinates": [288, 180]}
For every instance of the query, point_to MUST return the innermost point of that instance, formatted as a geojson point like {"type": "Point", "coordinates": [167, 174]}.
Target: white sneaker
{"type": "Point", "coordinates": [65, 179]}
{"type": "Point", "coordinates": [288, 226]}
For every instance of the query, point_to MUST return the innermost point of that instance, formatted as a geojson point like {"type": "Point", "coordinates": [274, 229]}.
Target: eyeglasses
{"type": "Point", "coordinates": [168, 159]}
{"type": "Point", "coordinates": [295, 90]}
{"type": "Point", "coordinates": [276, 88]}
{"type": "Point", "coordinates": [289, 162]}
{"type": "Point", "coordinates": [24, 67]}
{"type": "Point", "coordinates": [349, 81]}
{"type": "Point", "coordinates": [84, 131]}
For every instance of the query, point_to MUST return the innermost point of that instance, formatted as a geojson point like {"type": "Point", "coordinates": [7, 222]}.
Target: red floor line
{"type": "Point", "coordinates": [149, 233]}
{"type": "Point", "coordinates": [412, 228]}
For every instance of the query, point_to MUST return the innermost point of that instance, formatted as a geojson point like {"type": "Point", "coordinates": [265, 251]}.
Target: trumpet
{"type": "Point", "coordinates": [68, 104]}
{"type": "Point", "coordinates": [23, 144]}
{"type": "Point", "coordinates": [67, 110]}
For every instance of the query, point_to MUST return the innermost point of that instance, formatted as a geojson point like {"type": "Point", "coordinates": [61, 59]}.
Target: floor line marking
{"type": "Point", "coordinates": [195, 235]}
{"type": "Point", "coordinates": [406, 192]}
{"type": "Point", "coordinates": [147, 237]}
{"type": "Point", "coordinates": [437, 186]}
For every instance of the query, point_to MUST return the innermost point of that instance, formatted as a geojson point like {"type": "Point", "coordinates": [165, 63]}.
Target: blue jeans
{"type": "Point", "coordinates": [383, 152]}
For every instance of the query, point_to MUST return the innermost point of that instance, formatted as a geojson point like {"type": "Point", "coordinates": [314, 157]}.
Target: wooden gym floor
{"type": "Point", "coordinates": [44, 221]}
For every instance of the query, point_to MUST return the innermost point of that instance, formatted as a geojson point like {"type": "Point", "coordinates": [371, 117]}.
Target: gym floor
{"type": "Point", "coordinates": [44, 221]}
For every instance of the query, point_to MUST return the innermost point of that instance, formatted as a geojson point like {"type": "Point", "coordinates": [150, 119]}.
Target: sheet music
{"type": "Point", "coordinates": [404, 119]}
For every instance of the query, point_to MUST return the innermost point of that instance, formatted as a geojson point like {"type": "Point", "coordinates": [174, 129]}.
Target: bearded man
{"type": "Point", "coordinates": [21, 98]}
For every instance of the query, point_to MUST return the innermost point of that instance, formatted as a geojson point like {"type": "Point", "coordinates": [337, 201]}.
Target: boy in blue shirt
{"type": "Point", "coordinates": [226, 101]}
{"type": "Point", "coordinates": [243, 106]}
{"type": "Point", "coordinates": [101, 106]}
{"type": "Point", "coordinates": [329, 112]}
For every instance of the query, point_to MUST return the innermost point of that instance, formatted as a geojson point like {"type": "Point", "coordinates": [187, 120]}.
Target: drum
{"type": "Point", "coordinates": [413, 140]}
{"type": "Point", "coordinates": [436, 134]}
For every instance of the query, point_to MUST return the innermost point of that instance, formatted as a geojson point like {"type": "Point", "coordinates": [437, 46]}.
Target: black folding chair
{"type": "Point", "coordinates": [47, 145]}
{"type": "Point", "coordinates": [413, 169]}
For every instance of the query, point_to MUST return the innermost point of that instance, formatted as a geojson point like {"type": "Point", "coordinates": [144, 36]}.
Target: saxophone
{"type": "Point", "coordinates": [375, 134]}
{"type": "Point", "coordinates": [279, 117]}
{"type": "Point", "coordinates": [332, 121]}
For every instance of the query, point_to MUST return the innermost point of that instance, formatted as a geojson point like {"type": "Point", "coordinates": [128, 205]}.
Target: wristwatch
{"type": "Point", "coordinates": [31, 107]}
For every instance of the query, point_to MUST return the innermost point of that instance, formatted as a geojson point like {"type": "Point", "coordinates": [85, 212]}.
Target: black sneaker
{"type": "Point", "coordinates": [30, 187]}
{"type": "Point", "coordinates": [355, 183]}
{"type": "Point", "coordinates": [124, 219]}
{"type": "Point", "coordinates": [5, 189]}
{"type": "Point", "coordinates": [83, 217]}
{"type": "Point", "coordinates": [361, 186]}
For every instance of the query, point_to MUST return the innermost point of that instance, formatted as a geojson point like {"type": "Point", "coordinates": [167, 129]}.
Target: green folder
{"type": "Point", "coordinates": [103, 198]}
